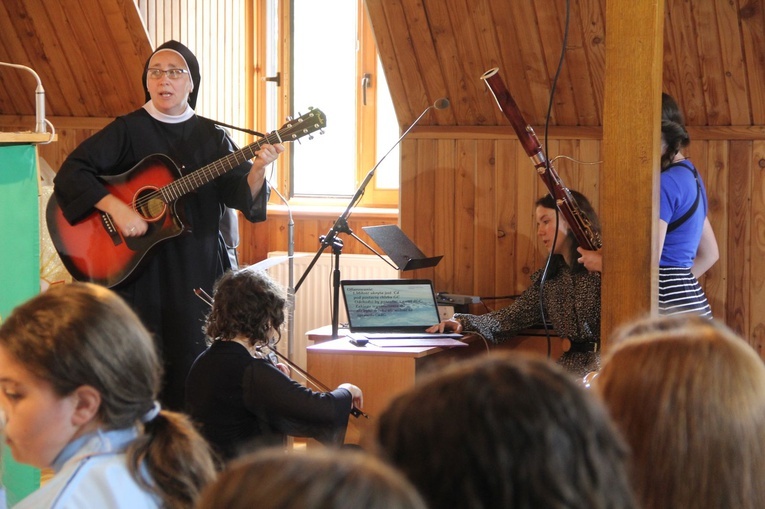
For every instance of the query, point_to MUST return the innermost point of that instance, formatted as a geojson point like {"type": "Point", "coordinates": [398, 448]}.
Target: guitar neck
{"type": "Point", "coordinates": [293, 130]}
{"type": "Point", "coordinates": [202, 176]}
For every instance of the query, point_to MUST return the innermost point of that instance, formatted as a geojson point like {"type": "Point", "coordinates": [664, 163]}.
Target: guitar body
{"type": "Point", "coordinates": [93, 250]}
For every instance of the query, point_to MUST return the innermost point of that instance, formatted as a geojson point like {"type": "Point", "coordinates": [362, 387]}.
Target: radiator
{"type": "Point", "coordinates": [313, 300]}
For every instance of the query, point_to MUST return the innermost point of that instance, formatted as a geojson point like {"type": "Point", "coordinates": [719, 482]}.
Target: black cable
{"type": "Point", "coordinates": [547, 163]}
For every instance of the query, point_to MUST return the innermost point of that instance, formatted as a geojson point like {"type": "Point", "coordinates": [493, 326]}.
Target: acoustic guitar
{"type": "Point", "coordinates": [95, 251]}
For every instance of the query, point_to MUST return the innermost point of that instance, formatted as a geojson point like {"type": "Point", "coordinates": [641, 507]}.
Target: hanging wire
{"type": "Point", "coordinates": [548, 162]}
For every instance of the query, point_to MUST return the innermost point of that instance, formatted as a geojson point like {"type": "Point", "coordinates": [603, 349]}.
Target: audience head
{"type": "Point", "coordinates": [506, 431]}
{"type": "Point", "coordinates": [566, 245]}
{"type": "Point", "coordinates": [76, 359]}
{"type": "Point", "coordinates": [314, 479]}
{"type": "Point", "coordinates": [689, 396]}
{"type": "Point", "coordinates": [247, 303]}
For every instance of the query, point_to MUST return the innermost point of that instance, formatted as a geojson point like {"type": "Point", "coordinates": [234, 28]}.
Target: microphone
{"type": "Point", "coordinates": [441, 104]}
{"type": "Point", "coordinates": [39, 98]}
{"type": "Point", "coordinates": [341, 220]}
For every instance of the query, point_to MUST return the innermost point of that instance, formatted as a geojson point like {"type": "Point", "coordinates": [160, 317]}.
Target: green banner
{"type": "Point", "coordinates": [19, 269]}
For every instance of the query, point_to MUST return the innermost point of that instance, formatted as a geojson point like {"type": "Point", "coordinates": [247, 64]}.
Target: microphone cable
{"type": "Point", "coordinates": [547, 163]}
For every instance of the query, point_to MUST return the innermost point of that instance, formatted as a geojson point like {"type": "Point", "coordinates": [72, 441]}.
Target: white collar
{"type": "Point", "coordinates": [168, 119]}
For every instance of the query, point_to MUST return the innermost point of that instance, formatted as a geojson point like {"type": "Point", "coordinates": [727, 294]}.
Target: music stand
{"type": "Point", "coordinates": [401, 250]}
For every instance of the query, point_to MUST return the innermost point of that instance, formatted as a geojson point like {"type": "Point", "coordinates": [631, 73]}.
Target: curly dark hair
{"type": "Point", "coordinates": [246, 303]}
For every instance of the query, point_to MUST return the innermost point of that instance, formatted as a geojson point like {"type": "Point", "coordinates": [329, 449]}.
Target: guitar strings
{"type": "Point", "coordinates": [205, 174]}
{"type": "Point", "coordinates": [211, 171]}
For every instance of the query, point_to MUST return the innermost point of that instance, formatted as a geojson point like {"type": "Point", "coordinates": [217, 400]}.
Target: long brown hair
{"type": "Point", "coordinates": [689, 396]}
{"type": "Point", "coordinates": [82, 334]}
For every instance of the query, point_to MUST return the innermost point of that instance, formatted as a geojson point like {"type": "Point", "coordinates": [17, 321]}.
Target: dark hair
{"type": "Point", "coordinates": [505, 430]}
{"type": "Point", "coordinates": [247, 303]}
{"type": "Point", "coordinates": [82, 334]}
{"type": "Point", "coordinates": [673, 132]}
{"type": "Point", "coordinates": [313, 479]}
{"type": "Point", "coordinates": [547, 201]}
{"type": "Point", "coordinates": [670, 110]}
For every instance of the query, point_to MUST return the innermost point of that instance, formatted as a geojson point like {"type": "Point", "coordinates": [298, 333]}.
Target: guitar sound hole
{"type": "Point", "coordinates": [149, 204]}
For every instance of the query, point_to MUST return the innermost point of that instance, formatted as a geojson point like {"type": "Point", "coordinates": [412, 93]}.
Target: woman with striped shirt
{"type": "Point", "coordinates": [687, 241]}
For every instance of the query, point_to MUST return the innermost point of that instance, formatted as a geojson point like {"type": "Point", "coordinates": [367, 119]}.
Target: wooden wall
{"type": "Point", "coordinates": [467, 188]}
{"type": "Point", "coordinates": [257, 240]}
{"type": "Point", "coordinates": [471, 198]}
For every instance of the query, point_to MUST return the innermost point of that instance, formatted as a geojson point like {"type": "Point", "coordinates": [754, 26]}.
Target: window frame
{"type": "Point", "coordinates": [367, 153]}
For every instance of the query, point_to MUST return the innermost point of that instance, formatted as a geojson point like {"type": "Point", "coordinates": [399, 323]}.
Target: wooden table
{"type": "Point", "coordinates": [384, 372]}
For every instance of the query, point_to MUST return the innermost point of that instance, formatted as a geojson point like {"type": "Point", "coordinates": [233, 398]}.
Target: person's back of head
{"type": "Point", "coordinates": [246, 303]}
{"type": "Point", "coordinates": [311, 479]}
{"type": "Point", "coordinates": [505, 431]}
{"type": "Point", "coordinates": [689, 396]}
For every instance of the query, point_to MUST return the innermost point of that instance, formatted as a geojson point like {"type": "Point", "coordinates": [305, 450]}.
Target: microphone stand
{"type": "Point", "coordinates": [341, 226]}
{"type": "Point", "coordinates": [40, 120]}
{"type": "Point", "coordinates": [290, 251]}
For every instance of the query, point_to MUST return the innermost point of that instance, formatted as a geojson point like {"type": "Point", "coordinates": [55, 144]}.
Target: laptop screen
{"type": "Point", "coordinates": [390, 305]}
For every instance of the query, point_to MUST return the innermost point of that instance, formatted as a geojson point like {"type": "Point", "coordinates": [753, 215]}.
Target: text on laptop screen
{"type": "Point", "coordinates": [390, 305]}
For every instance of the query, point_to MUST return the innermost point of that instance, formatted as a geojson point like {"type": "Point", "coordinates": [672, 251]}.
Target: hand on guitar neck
{"type": "Point", "coordinates": [266, 155]}
{"type": "Point", "coordinates": [128, 221]}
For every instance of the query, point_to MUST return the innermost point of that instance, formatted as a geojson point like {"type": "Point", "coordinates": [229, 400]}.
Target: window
{"type": "Point", "coordinates": [328, 60]}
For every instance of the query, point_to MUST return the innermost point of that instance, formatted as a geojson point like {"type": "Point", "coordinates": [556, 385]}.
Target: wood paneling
{"type": "Point", "coordinates": [468, 188]}
{"type": "Point", "coordinates": [89, 56]}
{"type": "Point", "coordinates": [488, 234]}
{"type": "Point", "coordinates": [273, 235]}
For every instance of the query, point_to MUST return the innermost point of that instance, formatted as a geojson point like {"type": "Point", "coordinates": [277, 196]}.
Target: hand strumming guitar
{"type": "Point", "coordinates": [128, 221]}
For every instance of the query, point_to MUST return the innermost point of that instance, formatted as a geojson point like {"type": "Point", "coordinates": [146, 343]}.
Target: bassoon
{"type": "Point", "coordinates": [577, 220]}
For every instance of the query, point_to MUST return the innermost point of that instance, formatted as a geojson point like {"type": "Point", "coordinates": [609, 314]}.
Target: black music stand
{"type": "Point", "coordinates": [404, 253]}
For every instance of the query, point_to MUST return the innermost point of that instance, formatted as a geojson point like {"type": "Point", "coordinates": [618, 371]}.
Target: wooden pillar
{"type": "Point", "coordinates": [629, 176]}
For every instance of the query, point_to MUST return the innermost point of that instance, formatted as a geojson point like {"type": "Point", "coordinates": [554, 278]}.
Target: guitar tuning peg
{"type": "Point", "coordinates": [321, 131]}
{"type": "Point", "coordinates": [310, 108]}
{"type": "Point", "coordinates": [310, 136]}
{"type": "Point", "coordinates": [289, 118]}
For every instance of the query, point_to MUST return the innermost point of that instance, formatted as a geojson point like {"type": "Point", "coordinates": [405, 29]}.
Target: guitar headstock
{"type": "Point", "coordinates": [304, 125]}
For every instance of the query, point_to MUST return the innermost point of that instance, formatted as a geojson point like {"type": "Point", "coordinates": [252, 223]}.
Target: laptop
{"type": "Point", "coordinates": [391, 308]}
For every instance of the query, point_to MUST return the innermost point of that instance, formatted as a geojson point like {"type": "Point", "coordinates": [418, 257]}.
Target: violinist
{"type": "Point", "coordinates": [238, 397]}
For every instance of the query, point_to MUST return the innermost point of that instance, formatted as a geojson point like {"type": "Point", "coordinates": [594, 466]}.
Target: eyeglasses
{"type": "Point", "coordinates": [173, 74]}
